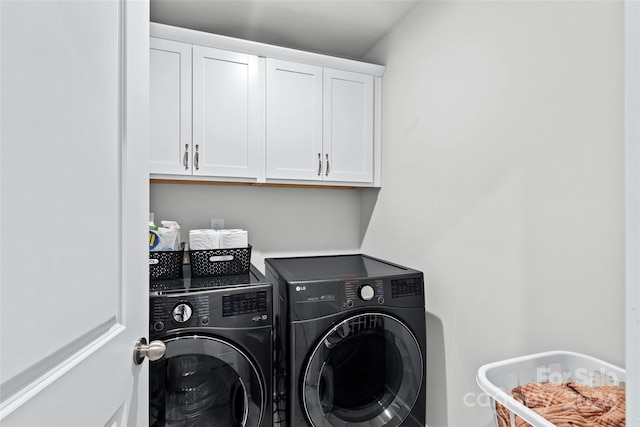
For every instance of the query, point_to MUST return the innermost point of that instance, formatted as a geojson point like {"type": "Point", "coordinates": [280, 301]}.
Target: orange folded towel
{"type": "Point", "coordinates": [569, 404]}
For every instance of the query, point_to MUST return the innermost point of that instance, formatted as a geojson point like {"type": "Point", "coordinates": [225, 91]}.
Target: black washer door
{"type": "Point", "coordinates": [365, 372]}
{"type": "Point", "coordinates": [204, 381]}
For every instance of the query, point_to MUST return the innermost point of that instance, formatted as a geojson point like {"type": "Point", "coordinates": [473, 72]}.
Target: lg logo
{"type": "Point", "coordinates": [301, 288]}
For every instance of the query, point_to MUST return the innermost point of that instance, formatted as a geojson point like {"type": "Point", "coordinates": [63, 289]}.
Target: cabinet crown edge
{"type": "Point", "coordinates": [185, 35]}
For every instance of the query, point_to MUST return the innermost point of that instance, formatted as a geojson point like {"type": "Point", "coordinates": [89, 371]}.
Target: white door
{"type": "Point", "coordinates": [226, 113]}
{"type": "Point", "coordinates": [348, 126]}
{"type": "Point", "coordinates": [74, 196]}
{"type": "Point", "coordinates": [170, 149]}
{"type": "Point", "coordinates": [294, 121]}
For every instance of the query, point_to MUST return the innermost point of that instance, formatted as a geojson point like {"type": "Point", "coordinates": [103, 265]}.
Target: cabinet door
{"type": "Point", "coordinates": [294, 121]}
{"type": "Point", "coordinates": [348, 126]}
{"type": "Point", "coordinates": [226, 113]}
{"type": "Point", "coordinates": [170, 107]}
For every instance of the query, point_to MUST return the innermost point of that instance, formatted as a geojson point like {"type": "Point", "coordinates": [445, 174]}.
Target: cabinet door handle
{"type": "Point", "coordinates": [185, 159]}
{"type": "Point", "coordinates": [319, 164]}
{"type": "Point", "coordinates": [196, 159]}
{"type": "Point", "coordinates": [327, 170]}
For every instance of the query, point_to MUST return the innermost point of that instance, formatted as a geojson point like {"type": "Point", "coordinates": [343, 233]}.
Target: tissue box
{"type": "Point", "coordinates": [220, 262]}
{"type": "Point", "coordinates": [166, 265]}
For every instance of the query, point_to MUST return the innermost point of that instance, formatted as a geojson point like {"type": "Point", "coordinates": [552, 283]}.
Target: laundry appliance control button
{"type": "Point", "coordinates": [366, 293]}
{"type": "Point", "coordinates": [182, 312]}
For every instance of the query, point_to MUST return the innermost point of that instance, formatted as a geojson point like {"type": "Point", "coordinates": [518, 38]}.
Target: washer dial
{"type": "Point", "coordinates": [182, 312]}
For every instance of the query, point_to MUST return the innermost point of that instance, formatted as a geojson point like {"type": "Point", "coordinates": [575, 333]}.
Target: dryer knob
{"type": "Point", "coordinates": [366, 293]}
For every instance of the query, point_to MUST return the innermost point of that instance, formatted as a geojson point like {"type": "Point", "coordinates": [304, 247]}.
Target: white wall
{"type": "Point", "coordinates": [503, 180]}
{"type": "Point", "coordinates": [632, 154]}
{"type": "Point", "coordinates": [280, 221]}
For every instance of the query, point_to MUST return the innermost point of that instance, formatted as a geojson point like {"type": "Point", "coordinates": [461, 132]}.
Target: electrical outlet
{"type": "Point", "coordinates": [217, 224]}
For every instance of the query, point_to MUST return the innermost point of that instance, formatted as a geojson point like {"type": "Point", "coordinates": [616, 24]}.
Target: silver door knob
{"type": "Point", "coordinates": [154, 351]}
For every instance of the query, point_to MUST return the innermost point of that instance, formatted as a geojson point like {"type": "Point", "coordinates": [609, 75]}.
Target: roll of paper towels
{"type": "Point", "coordinates": [203, 240]}
{"type": "Point", "coordinates": [233, 239]}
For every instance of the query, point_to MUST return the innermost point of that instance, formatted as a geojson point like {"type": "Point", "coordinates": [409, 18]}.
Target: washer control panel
{"type": "Point", "coordinates": [232, 308]}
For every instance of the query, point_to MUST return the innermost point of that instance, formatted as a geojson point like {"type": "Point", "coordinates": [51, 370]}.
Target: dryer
{"type": "Point", "coordinates": [350, 342]}
{"type": "Point", "coordinates": [217, 368]}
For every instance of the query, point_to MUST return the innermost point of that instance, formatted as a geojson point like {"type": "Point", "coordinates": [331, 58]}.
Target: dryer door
{"type": "Point", "coordinates": [204, 381]}
{"type": "Point", "coordinates": [365, 372]}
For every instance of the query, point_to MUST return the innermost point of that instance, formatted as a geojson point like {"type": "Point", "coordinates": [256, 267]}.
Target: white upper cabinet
{"type": "Point", "coordinates": [226, 114]}
{"type": "Point", "coordinates": [170, 107]}
{"type": "Point", "coordinates": [348, 143]}
{"type": "Point", "coordinates": [204, 111]}
{"type": "Point", "coordinates": [319, 123]}
{"type": "Point", "coordinates": [225, 109]}
{"type": "Point", "coordinates": [294, 121]}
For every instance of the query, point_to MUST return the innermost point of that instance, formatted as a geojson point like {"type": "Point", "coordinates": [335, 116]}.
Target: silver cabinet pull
{"type": "Point", "coordinates": [196, 159]}
{"type": "Point", "coordinates": [185, 159]}
{"type": "Point", "coordinates": [319, 164]}
{"type": "Point", "coordinates": [154, 351]}
{"type": "Point", "coordinates": [327, 170]}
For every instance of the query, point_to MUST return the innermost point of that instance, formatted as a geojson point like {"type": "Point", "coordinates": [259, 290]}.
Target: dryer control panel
{"type": "Point", "coordinates": [313, 299]}
{"type": "Point", "coordinates": [390, 292]}
{"type": "Point", "coordinates": [356, 291]}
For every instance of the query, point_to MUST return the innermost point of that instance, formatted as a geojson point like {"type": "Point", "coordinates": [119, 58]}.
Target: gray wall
{"type": "Point", "coordinates": [503, 180]}
{"type": "Point", "coordinates": [280, 221]}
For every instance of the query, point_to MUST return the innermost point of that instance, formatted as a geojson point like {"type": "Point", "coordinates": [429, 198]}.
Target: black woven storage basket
{"type": "Point", "coordinates": [220, 262]}
{"type": "Point", "coordinates": [166, 265]}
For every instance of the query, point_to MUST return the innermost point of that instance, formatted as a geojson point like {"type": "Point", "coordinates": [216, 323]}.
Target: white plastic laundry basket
{"type": "Point", "coordinates": [499, 378]}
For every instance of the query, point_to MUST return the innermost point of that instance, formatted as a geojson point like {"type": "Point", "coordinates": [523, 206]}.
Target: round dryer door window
{"type": "Point", "coordinates": [204, 381]}
{"type": "Point", "coordinates": [365, 372]}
